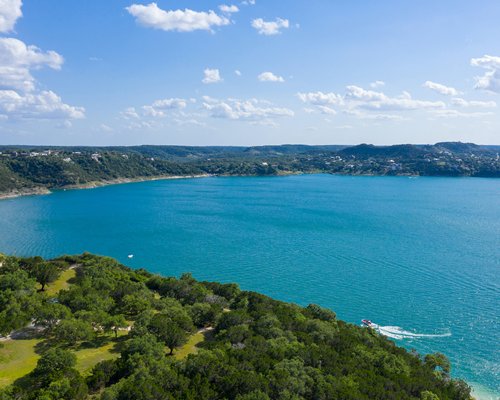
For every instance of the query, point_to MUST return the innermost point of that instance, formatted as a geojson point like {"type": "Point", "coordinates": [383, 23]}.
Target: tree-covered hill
{"type": "Point", "coordinates": [254, 347]}
{"type": "Point", "coordinates": [31, 168]}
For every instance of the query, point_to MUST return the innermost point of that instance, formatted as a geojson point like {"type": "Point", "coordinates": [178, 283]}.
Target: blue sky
{"type": "Point", "coordinates": [235, 73]}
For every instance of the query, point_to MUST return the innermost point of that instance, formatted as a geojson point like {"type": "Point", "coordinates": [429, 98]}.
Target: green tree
{"type": "Point", "coordinates": [167, 331]}
{"type": "Point", "coordinates": [54, 364]}
{"type": "Point", "coordinates": [256, 395]}
{"type": "Point", "coordinates": [45, 273]}
{"type": "Point", "coordinates": [49, 314]}
{"type": "Point", "coordinates": [115, 323]}
{"type": "Point", "coordinates": [438, 360]}
{"type": "Point", "coordinates": [204, 314]}
{"type": "Point", "coordinates": [428, 395]}
{"type": "Point", "coordinates": [71, 331]}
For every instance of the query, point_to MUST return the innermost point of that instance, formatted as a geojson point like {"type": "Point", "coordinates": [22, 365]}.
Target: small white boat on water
{"type": "Point", "coordinates": [368, 323]}
{"type": "Point", "coordinates": [130, 256]}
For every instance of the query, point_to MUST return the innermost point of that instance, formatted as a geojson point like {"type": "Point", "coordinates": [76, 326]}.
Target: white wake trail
{"type": "Point", "coordinates": [398, 333]}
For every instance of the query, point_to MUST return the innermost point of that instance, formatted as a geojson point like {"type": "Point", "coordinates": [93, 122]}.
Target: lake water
{"type": "Point", "coordinates": [419, 254]}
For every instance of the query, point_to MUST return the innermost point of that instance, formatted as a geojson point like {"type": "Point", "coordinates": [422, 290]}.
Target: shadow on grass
{"type": "Point", "coordinates": [96, 343]}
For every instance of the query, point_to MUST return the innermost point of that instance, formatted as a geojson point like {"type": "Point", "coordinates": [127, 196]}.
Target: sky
{"type": "Point", "coordinates": [251, 72]}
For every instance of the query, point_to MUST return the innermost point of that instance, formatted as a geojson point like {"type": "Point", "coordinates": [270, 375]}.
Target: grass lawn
{"type": "Point", "coordinates": [190, 346]}
{"type": "Point", "coordinates": [17, 358]}
{"type": "Point", "coordinates": [87, 358]}
{"type": "Point", "coordinates": [61, 283]}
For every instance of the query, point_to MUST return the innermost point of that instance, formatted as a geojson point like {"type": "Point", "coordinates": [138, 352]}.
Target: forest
{"type": "Point", "coordinates": [87, 327]}
{"type": "Point", "coordinates": [31, 169]}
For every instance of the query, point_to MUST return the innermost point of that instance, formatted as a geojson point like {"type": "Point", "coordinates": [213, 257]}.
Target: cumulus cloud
{"type": "Point", "coordinates": [16, 61]}
{"type": "Point", "coordinates": [245, 110]}
{"type": "Point", "coordinates": [160, 107]}
{"type": "Point", "coordinates": [211, 76]}
{"type": "Point", "coordinates": [248, 2]}
{"type": "Point", "coordinates": [371, 100]}
{"type": "Point", "coordinates": [321, 99]}
{"type": "Point", "coordinates": [365, 104]}
{"type": "Point", "coordinates": [270, 77]}
{"type": "Point", "coordinates": [10, 12]}
{"type": "Point", "coordinates": [19, 95]}
{"type": "Point", "coordinates": [187, 20]}
{"type": "Point", "coordinates": [237, 72]}
{"type": "Point", "coordinates": [228, 9]}
{"type": "Point", "coordinates": [269, 28]}
{"type": "Point", "coordinates": [490, 81]}
{"type": "Point", "coordinates": [43, 105]}
{"type": "Point", "coordinates": [377, 84]}
{"type": "Point", "coordinates": [441, 89]}
{"type": "Point", "coordinates": [459, 102]}
{"type": "Point", "coordinates": [130, 113]}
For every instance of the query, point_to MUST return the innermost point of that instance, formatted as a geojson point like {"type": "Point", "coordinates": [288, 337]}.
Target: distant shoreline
{"type": "Point", "coordinates": [93, 185]}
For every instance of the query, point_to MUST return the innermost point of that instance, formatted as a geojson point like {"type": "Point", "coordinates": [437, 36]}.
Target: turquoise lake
{"type": "Point", "coordinates": [419, 256]}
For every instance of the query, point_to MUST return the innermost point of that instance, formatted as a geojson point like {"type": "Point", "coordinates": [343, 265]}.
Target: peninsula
{"type": "Point", "coordinates": [81, 327]}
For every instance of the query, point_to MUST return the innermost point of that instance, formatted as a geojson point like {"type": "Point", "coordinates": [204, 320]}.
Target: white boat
{"type": "Point", "coordinates": [368, 323]}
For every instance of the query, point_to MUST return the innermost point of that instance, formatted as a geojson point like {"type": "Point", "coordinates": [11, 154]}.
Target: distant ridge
{"type": "Point", "coordinates": [37, 169]}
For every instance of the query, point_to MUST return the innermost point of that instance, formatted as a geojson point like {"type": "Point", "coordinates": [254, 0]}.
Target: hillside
{"type": "Point", "coordinates": [104, 331]}
{"type": "Point", "coordinates": [30, 169]}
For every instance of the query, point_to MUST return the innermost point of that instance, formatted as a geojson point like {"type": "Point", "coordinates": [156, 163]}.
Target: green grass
{"type": "Point", "coordinates": [61, 283]}
{"type": "Point", "coordinates": [87, 358]}
{"type": "Point", "coordinates": [191, 346]}
{"type": "Point", "coordinates": [17, 358]}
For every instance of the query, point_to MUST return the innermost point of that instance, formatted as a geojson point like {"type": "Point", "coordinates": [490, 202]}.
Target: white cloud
{"type": "Point", "coordinates": [270, 77]}
{"type": "Point", "coordinates": [237, 72]}
{"type": "Point", "coordinates": [130, 113]}
{"type": "Point", "coordinates": [327, 110]}
{"type": "Point", "coordinates": [458, 114]}
{"type": "Point", "coordinates": [228, 9]}
{"type": "Point", "coordinates": [186, 20]}
{"type": "Point", "coordinates": [269, 28]}
{"type": "Point", "coordinates": [457, 101]}
{"type": "Point", "coordinates": [372, 100]}
{"type": "Point", "coordinates": [43, 105]}
{"type": "Point", "coordinates": [373, 116]}
{"type": "Point", "coordinates": [490, 81]}
{"type": "Point", "coordinates": [441, 89]}
{"type": "Point", "coordinates": [19, 95]}
{"type": "Point", "coordinates": [377, 84]}
{"type": "Point", "coordinates": [105, 128]}
{"type": "Point", "coordinates": [10, 12]}
{"type": "Point", "coordinates": [211, 76]}
{"type": "Point", "coordinates": [246, 110]}
{"type": "Point", "coordinates": [365, 104]}
{"type": "Point", "coordinates": [16, 61]}
{"type": "Point", "coordinates": [321, 99]}
{"type": "Point", "coordinates": [248, 2]}
{"type": "Point", "coordinates": [160, 107]}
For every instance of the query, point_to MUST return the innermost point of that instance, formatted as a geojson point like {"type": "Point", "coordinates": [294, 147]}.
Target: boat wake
{"type": "Point", "coordinates": [398, 333]}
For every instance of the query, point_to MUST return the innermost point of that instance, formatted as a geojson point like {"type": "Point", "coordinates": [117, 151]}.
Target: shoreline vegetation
{"type": "Point", "coordinates": [33, 170]}
{"type": "Point", "coordinates": [94, 185]}
{"type": "Point", "coordinates": [86, 327]}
